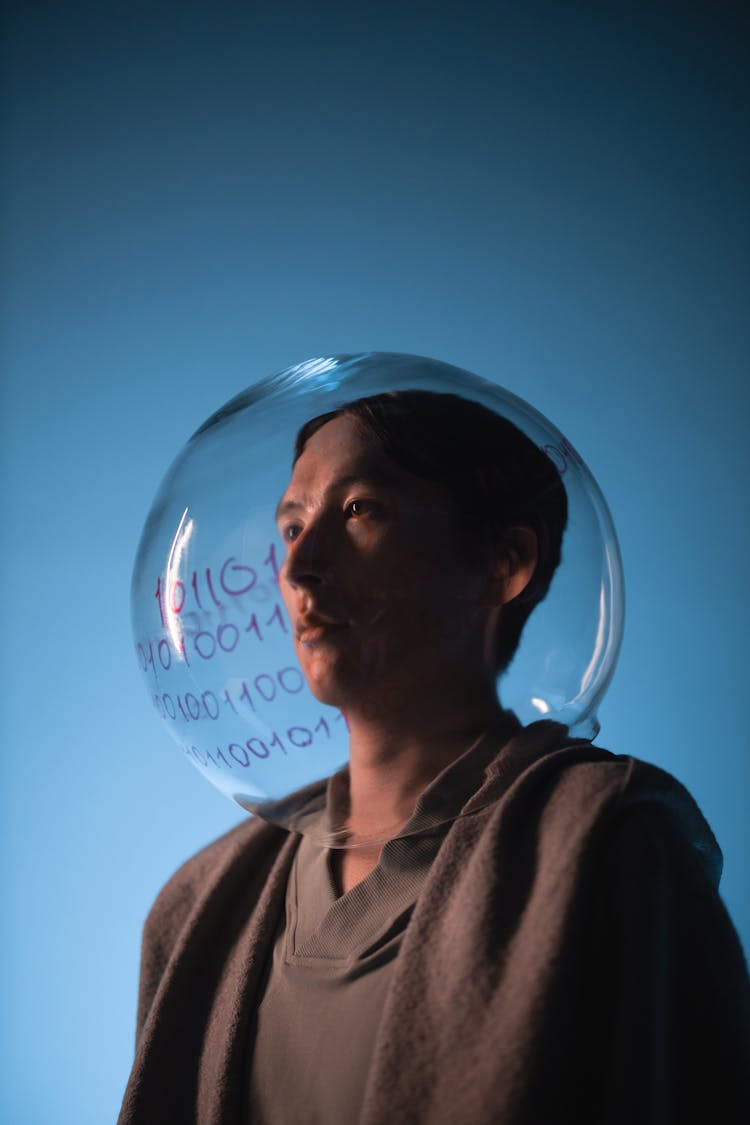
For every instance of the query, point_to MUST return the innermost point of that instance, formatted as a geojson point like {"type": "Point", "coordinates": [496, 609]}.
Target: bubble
{"type": "Point", "coordinates": [213, 636]}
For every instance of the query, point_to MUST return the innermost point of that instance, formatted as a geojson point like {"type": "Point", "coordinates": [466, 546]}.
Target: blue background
{"type": "Point", "coordinates": [551, 195]}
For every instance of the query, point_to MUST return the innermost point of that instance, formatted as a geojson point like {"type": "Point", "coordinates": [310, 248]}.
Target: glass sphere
{"type": "Point", "coordinates": [212, 634]}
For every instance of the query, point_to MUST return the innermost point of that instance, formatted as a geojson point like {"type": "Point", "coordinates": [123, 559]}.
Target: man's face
{"type": "Point", "coordinates": [382, 598]}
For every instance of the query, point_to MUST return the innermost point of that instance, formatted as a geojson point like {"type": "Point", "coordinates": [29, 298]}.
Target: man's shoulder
{"type": "Point", "coordinates": [582, 789]}
{"type": "Point", "coordinates": [251, 841]}
{"type": "Point", "coordinates": [571, 764]}
{"type": "Point", "coordinates": [202, 901]}
{"type": "Point", "coordinates": [215, 852]}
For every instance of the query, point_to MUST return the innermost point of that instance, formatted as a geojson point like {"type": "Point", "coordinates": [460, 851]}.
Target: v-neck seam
{"type": "Point", "coordinates": [347, 920]}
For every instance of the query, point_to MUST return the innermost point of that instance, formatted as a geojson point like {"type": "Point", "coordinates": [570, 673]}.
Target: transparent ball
{"type": "Point", "coordinates": [213, 637]}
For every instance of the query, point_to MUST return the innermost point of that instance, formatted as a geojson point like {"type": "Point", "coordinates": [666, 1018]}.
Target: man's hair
{"type": "Point", "coordinates": [496, 476]}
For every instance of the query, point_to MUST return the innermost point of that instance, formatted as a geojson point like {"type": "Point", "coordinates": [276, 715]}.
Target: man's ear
{"type": "Point", "coordinates": [514, 565]}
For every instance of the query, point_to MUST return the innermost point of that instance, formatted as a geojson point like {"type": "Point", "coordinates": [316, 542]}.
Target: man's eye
{"type": "Point", "coordinates": [290, 532]}
{"type": "Point", "coordinates": [360, 508]}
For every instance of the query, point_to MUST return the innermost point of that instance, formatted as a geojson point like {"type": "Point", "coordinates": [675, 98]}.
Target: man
{"type": "Point", "coordinates": [521, 928]}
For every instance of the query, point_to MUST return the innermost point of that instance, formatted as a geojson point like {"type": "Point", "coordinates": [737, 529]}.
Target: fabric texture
{"type": "Point", "coordinates": [323, 998]}
{"type": "Point", "coordinates": [334, 956]}
{"type": "Point", "coordinates": [568, 959]}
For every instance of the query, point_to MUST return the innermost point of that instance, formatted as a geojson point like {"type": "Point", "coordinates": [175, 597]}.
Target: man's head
{"type": "Point", "coordinates": [420, 519]}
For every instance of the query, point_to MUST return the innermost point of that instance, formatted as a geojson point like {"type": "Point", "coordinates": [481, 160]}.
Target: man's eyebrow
{"type": "Point", "coordinates": [379, 477]}
{"type": "Point", "coordinates": [285, 506]}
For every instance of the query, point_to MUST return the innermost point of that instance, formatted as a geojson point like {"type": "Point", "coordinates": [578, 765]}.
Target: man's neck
{"type": "Point", "coordinates": [393, 759]}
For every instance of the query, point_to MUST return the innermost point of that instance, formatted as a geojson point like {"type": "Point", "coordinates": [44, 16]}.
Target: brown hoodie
{"type": "Point", "coordinates": [568, 960]}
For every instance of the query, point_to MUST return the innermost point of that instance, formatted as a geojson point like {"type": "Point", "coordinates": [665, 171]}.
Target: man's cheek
{"type": "Point", "coordinates": [395, 582]}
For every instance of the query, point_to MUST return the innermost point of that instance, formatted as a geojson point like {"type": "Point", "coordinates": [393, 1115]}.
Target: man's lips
{"type": "Point", "coordinates": [315, 627]}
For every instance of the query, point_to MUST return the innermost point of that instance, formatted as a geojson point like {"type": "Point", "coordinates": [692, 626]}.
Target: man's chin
{"type": "Point", "coordinates": [327, 689]}
{"type": "Point", "coordinates": [349, 683]}
{"type": "Point", "coordinates": [336, 691]}
{"type": "Point", "coordinates": [324, 694]}
{"type": "Point", "coordinates": [364, 701]}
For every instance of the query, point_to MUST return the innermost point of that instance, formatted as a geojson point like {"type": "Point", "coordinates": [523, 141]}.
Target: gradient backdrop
{"type": "Point", "coordinates": [194, 195]}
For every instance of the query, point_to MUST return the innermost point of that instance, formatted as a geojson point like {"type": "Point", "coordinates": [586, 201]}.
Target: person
{"type": "Point", "coordinates": [522, 928]}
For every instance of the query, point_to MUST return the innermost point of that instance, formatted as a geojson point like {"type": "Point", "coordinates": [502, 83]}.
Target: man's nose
{"type": "Point", "coordinates": [308, 561]}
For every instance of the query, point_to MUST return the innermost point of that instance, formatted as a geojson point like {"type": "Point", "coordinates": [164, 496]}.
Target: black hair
{"type": "Point", "coordinates": [496, 476]}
